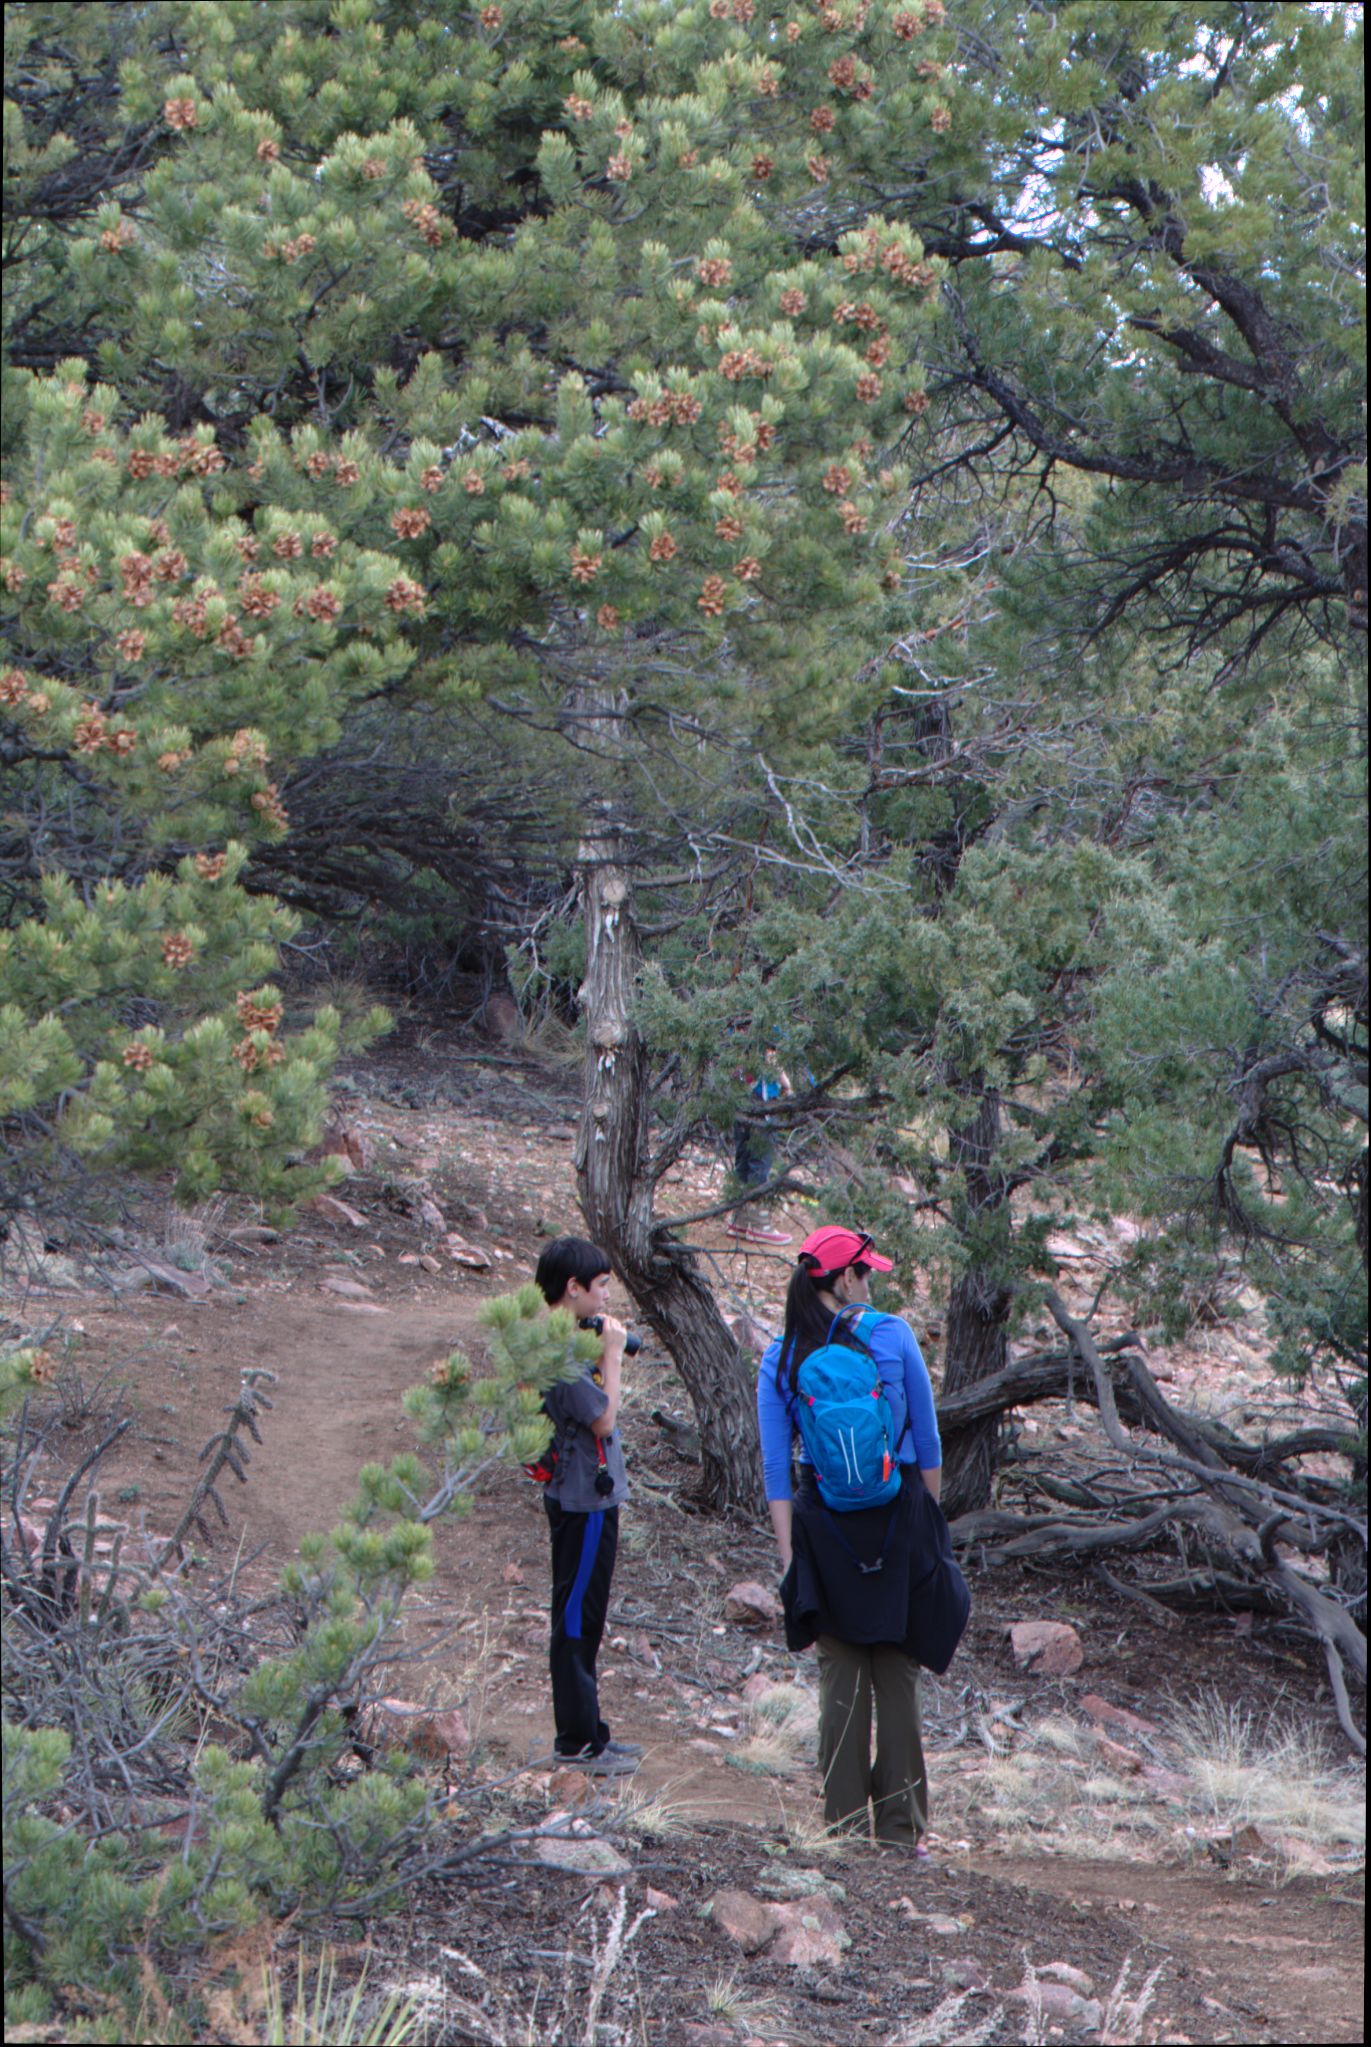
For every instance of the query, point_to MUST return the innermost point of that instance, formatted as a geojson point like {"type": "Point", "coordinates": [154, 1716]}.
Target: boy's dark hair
{"type": "Point", "coordinates": [567, 1258]}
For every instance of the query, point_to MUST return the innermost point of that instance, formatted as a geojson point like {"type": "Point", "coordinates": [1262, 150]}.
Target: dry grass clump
{"type": "Point", "coordinates": [947, 2026]}
{"type": "Point", "coordinates": [1268, 1771]}
{"type": "Point", "coordinates": [1043, 1796]}
{"type": "Point", "coordinates": [653, 1815]}
{"type": "Point", "coordinates": [783, 1724]}
{"type": "Point", "coordinates": [749, 2013]}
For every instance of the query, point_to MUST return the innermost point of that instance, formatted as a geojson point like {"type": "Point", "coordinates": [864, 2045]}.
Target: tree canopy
{"type": "Point", "coordinates": [838, 527]}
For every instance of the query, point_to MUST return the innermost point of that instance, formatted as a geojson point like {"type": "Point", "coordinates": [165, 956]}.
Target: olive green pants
{"type": "Point", "coordinates": [896, 1784]}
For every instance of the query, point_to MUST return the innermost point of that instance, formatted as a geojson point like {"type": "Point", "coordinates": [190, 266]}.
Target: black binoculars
{"type": "Point", "coordinates": [632, 1344]}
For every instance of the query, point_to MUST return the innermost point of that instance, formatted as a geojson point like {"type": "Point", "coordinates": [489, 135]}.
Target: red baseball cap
{"type": "Point", "coordinates": [833, 1249]}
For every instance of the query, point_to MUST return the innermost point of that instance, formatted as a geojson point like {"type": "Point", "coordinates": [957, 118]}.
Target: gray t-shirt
{"type": "Point", "coordinates": [573, 1406]}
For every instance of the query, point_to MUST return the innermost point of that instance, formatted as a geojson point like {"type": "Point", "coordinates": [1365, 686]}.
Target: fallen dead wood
{"type": "Point", "coordinates": [1240, 1515]}
{"type": "Point", "coordinates": [1236, 1509]}
{"type": "Point", "coordinates": [1055, 1375]}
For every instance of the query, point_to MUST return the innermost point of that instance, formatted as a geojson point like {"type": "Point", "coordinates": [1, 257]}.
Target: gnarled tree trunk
{"type": "Point", "coordinates": [977, 1317]}
{"type": "Point", "coordinates": [614, 1173]}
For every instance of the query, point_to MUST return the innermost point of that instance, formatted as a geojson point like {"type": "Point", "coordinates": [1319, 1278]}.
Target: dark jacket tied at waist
{"type": "Point", "coordinates": [883, 1574]}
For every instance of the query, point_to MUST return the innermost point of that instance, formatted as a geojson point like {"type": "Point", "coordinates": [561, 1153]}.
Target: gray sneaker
{"type": "Point", "coordinates": [633, 1749]}
{"type": "Point", "coordinates": [605, 1763]}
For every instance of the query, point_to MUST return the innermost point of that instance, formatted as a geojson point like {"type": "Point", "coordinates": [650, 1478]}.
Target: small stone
{"type": "Point", "coordinates": [751, 1605]}
{"type": "Point", "coordinates": [810, 1936]}
{"type": "Point", "coordinates": [1117, 1717]}
{"type": "Point", "coordinates": [425, 1732]}
{"type": "Point", "coordinates": [1057, 2001]}
{"type": "Point", "coordinates": [572, 1787]}
{"type": "Point", "coordinates": [429, 1262]}
{"type": "Point", "coordinates": [757, 1687]}
{"type": "Point", "coordinates": [344, 1144]}
{"type": "Point", "coordinates": [1047, 1648]}
{"type": "Point", "coordinates": [747, 1921]}
{"type": "Point", "coordinates": [463, 1253]}
{"type": "Point", "coordinates": [334, 1210]}
{"type": "Point", "coordinates": [586, 1858]}
{"type": "Point", "coordinates": [964, 1974]}
{"type": "Point", "coordinates": [660, 1901]}
{"type": "Point", "coordinates": [350, 1289]}
{"type": "Point", "coordinates": [1117, 1757]}
{"type": "Point", "coordinates": [1248, 1840]}
{"type": "Point", "coordinates": [1064, 1972]}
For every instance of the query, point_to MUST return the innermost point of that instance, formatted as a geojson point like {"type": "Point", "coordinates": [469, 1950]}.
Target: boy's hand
{"type": "Point", "coordinates": [613, 1335]}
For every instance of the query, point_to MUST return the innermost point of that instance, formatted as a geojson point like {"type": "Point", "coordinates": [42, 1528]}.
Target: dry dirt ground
{"type": "Point", "coordinates": [1044, 1852]}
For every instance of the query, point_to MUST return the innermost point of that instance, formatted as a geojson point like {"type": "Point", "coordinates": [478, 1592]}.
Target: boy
{"type": "Point", "coordinates": [583, 1497]}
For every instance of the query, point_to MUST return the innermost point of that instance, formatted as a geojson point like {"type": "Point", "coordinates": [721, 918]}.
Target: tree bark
{"type": "Point", "coordinates": [977, 1316]}
{"type": "Point", "coordinates": [614, 1173]}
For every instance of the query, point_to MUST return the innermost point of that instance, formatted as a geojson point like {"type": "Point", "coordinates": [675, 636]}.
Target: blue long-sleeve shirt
{"type": "Point", "coordinates": [908, 1388]}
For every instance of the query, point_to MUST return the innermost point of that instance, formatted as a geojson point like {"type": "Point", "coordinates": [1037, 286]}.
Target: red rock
{"type": "Point", "coordinates": [337, 1211]}
{"type": "Point", "coordinates": [965, 1974]}
{"type": "Point", "coordinates": [1047, 1648]}
{"type": "Point", "coordinates": [463, 1253]}
{"type": "Point", "coordinates": [1063, 1972]}
{"type": "Point", "coordinates": [572, 1787]}
{"type": "Point", "coordinates": [30, 1537]}
{"type": "Point", "coordinates": [1248, 1840]}
{"type": "Point", "coordinates": [758, 1686]}
{"type": "Point", "coordinates": [747, 1921]}
{"type": "Point", "coordinates": [431, 1213]}
{"type": "Point", "coordinates": [341, 1142]}
{"type": "Point", "coordinates": [1123, 1760]}
{"type": "Point", "coordinates": [810, 1935]}
{"type": "Point", "coordinates": [1117, 1717]}
{"type": "Point", "coordinates": [429, 1262]}
{"type": "Point", "coordinates": [350, 1289]}
{"type": "Point", "coordinates": [660, 1901]}
{"type": "Point", "coordinates": [424, 1731]}
{"type": "Point", "coordinates": [1057, 2001]}
{"type": "Point", "coordinates": [751, 1604]}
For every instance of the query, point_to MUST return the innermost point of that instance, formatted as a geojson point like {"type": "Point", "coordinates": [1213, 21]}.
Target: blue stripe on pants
{"type": "Point", "coordinates": [590, 1544]}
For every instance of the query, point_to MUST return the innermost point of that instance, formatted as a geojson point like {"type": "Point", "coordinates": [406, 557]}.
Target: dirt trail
{"type": "Point", "coordinates": [1239, 1961]}
{"type": "Point", "coordinates": [1284, 1956]}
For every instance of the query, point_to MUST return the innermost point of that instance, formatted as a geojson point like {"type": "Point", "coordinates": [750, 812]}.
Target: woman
{"type": "Point", "coordinates": [848, 1576]}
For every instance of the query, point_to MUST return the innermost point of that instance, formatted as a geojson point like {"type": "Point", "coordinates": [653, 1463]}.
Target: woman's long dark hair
{"type": "Point", "coordinates": [808, 1321]}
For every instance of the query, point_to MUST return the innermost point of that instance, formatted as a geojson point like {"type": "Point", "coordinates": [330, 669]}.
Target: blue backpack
{"type": "Point", "coordinates": [840, 1408]}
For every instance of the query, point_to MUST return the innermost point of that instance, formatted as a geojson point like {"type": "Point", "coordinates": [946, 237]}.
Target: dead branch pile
{"type": "Point", "coordinates": [1252, 1528]}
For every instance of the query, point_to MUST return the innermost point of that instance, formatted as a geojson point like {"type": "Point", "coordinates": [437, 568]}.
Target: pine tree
{"type": "Point", "coordinates": [355, 440]}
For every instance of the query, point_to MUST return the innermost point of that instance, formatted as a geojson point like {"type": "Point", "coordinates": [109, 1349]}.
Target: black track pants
{"type": "Point", "coordinates": [583, 1551]}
